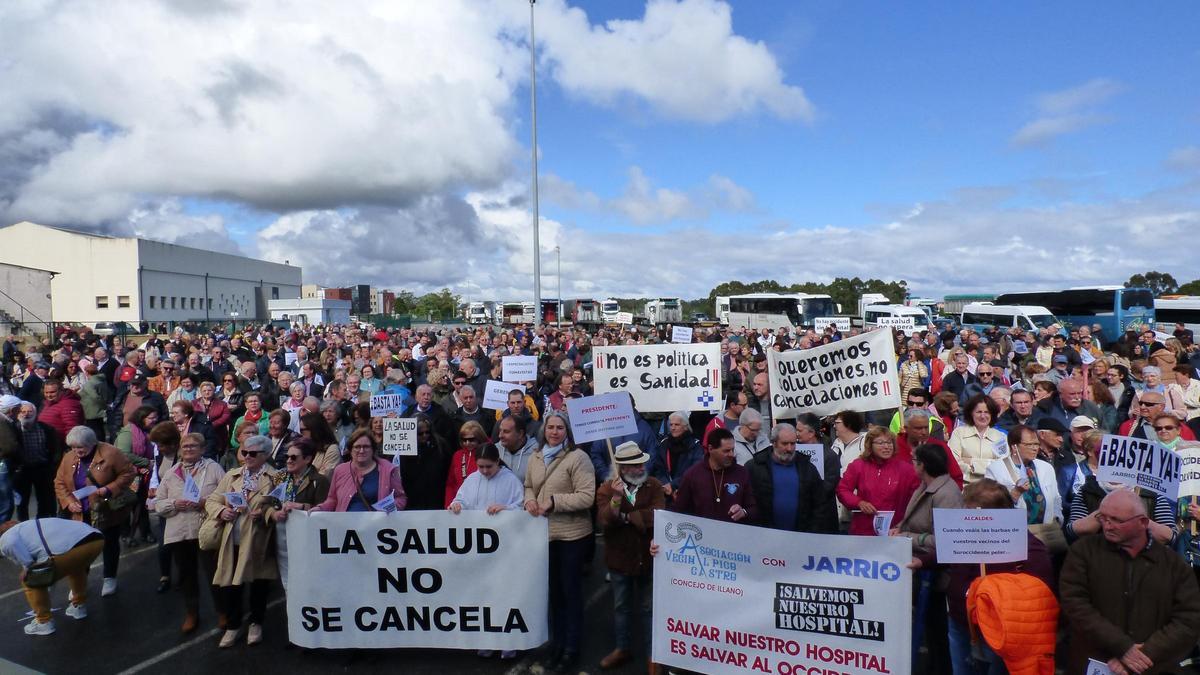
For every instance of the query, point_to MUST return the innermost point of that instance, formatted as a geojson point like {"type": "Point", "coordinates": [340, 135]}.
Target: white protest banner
{"type": "Point", "coordinates": [855, 373]}
{"type": "Point", "coordinates": [904, 323]}
{"type": "Point", "coordinates": [882, 522]}
{"type": "Point", "coordinates": [595, 418]}
{"type": "Point", "coordinates": [681, 335]}
{"type": "Point", "coordinates": [840, 323]}
{"type": "Point", "coordinates": [495, 394]}
{"type": "Point", "coordinates": [662, 378]}
{"type": "Point", "coordinates": [399, 436]}
{"type": "Point", "coordinates": [816, 455]}
{"type": "Point", "coordinates": [417, 579]}
{"type": "Point", "coordinates": [1189, 471]}
{"type": "Point", "coordinates": [981, 535]}
{"type": "Point", "coordinates": [732, 598]}
{"type": "Point", "coordinates": [1138, 462]}
{"type": "Point", "coordinates": [519, 368]}
{"type": "Point", "coordinates": [383, 405]}
{"type": "Point", "coordinates": [625, 317]}
{"type": "Point", "coordinates": [289, 359]}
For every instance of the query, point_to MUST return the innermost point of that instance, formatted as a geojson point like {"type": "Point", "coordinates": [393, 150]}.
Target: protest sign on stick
{"type": "Point", "coordinates": [1140, 463]}
{"type": "Point", "coordinates": [855, 373]}
{"type": "Point", "coordinates": [662, 378]}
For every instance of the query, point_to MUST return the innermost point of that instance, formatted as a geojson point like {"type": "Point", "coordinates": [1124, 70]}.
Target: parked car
{"type": "Point", "coordinates": [114, 328]}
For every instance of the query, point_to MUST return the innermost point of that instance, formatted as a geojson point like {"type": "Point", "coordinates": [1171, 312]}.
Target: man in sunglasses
{"type": "Point", "coordinates": [1141, 417]}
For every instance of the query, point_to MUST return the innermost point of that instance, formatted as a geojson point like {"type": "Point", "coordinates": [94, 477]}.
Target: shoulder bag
{"type": "Point", "coordinates": [40, 574]}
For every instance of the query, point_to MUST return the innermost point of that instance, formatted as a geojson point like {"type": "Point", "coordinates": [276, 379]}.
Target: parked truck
{"type": "Point", "coordinates": [664, 310]}
{"type": "Point", "coordinates": [481, 313]}
{"type": "Point", "coordinates": [583, 312]}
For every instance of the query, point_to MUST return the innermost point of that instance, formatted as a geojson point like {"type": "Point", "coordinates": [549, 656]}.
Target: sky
{"type": "Point", "coordinates": [681, 143]}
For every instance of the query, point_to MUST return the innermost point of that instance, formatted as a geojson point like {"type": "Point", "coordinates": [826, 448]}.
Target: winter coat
{"type": "Point", "coordinates": [886, 485]}
{"type": "Point", "coordinates": [1018, 616]}
{"type": "Point", "coordinates": [917, 524]}
{"type": "Point", "coordinates": [344, 487]}
{"type": "Point", "coordinates": [109, 468]}
{"type": "Point", "coordinates": [183, 525]}
{"type": "Point", "coordinates": [568, 484]}
{"type": "Point", "coordinates": [255, 556]}
{"type": "Point", "coordinates": [64, 413]}
{"type": "Point", "coordinates": [1112, 602]}
{"type": "Point", "coordinates": [629, 528]}
{"type": "Point", "coordinates": [974, 451]}
{"type": "Point", "coordinates": [816, 511]}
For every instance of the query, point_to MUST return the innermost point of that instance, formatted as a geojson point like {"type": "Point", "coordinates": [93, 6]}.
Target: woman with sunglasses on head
{"type": "Point", "coordinates": [471, 437]}
{"type": "Point", "coordinates": [244, 556]}
{"type": "Point", "coordinates": [303, 487]}
{"type": "Point", "coordinates": [364, 481]}
{"type": "Point", "coordinates": [182, 514]}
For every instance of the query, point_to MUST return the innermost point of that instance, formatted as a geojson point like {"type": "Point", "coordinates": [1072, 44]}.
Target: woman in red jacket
{"type": "Point", "coordinates": [472, 437]}
{"type": "Point", "coordinates": [219, 414]}
{"type": "Point", "coordinates": [877, 481]}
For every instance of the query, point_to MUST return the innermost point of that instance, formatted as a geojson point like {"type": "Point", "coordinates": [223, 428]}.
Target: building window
{"type": "Point", "coordinates": [193, 303]}
{"type": "Point", "coordinates": [152, 302]}
{"type": "Point", "coordinates": [210, 304]}
{"type": "Point", "coordinates": [274, 292]}
{"type": "Point", "coordinates": [123, 301]}
{"type": "Point", "coordinates": [162, 301]}
{"type": "Point", "coordinates": [172, 302]}
{"type": "Point", "coordinates": [101, 302]}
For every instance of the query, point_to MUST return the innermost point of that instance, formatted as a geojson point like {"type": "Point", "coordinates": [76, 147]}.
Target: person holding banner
{"type": "Point", "coordinates": [471, 437]}
{"type": "Point", "coordinates": [367, 482]}
{"type": "Point", "coordinates": [974, 444]}
{"type": "Point", "coordinates": [1130, 601]}
{"type": "Point", "coordinates": [180, 499]}
{"type": "Point", "coordinates": [877, 481]}
{"type": "Point", "coordinates": [243, 553]}
{"type": "Point", "coordinates": [677, 452]}
{"type": "Point", "coordinates": [625, 512]}
{"type": "Point", "coordinates": [302, 488]}
{"type": "Point", "coordinates": [560, 485]}
{"type": "Point", "coordinates": [1084, 513]}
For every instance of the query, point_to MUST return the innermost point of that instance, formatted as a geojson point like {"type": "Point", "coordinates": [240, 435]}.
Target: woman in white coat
{"type": "Point", "coordinates": [1032, 482]}
{"type": "Point", "coordinates": [975, 443]}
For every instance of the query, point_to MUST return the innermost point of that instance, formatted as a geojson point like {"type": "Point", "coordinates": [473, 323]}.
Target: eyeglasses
{"type": "Point", "coordinates": [1103, 519]}
{"type": "Point", "coordinates": [469, 439]}
{"type": "Point", "coordinates": [978, 374]}
{"type": "Point", "coordinates": [1149, 404]}
{"type": "Point", "coordinates": [295, 458]}
{"type": "Point", "coordinates": [1165, 428]}
{"type": "Point", "coordinates": [250, 453]}
{"type": "Point", "coordinates": [361, 446]}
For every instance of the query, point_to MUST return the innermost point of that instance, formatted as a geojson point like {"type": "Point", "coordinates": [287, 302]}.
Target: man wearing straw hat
{"type": "Point", "coordinates": [625, 511]}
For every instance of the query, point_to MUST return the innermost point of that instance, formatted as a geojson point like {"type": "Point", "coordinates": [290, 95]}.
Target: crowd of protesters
{"type": "Point", "coordinates": [105, 444]}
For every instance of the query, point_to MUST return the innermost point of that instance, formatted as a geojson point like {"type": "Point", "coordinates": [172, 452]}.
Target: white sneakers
{"type": "Point", "coordinates": [228, 638]}
{"type": "Point", "coordinates": [254, 634]}
{"type": "Point", "coordinates": [109, 587]}
{"type": "Point", "coordinates": [35, 627]}
{"type": "Point", "coordinates": [76, 611]}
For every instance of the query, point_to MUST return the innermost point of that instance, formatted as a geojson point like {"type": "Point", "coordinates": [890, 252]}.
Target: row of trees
{"type": "Point", "coordinates": [1162, 283]}
{"type": "Point", "coordinates": [440, 305]}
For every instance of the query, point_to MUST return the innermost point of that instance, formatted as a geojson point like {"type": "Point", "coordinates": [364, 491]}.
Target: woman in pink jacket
{"type": "Point", "coordinates": [877, 481]}
{"type": "Point", "coordinates": [364, 481]}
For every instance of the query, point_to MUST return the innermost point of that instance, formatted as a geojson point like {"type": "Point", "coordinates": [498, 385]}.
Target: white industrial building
{"type": "Point", "coordinates": [306, 311]}
{"type": "Point", "coordinates": [104, 278]}
{"type": "Point", "coordinates": [25, 300]}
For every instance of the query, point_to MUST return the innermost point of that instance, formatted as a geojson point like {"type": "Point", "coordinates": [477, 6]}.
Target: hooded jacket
{"type": "Point", "coordinates": [64, 413]}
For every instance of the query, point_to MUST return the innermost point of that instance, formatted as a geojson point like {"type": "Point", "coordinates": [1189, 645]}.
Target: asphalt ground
{"type": "Point", "coordinates": [137, 631]}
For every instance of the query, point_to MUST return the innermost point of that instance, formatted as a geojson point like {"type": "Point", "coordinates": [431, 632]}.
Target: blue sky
{"type": "Point", "coordinates": [960, 147]}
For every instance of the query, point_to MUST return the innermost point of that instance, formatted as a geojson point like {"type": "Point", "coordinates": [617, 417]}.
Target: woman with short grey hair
{"type": "Point", "coordinates": [103, 476]}
{"type": "Point", "coordinates": [748, 436]}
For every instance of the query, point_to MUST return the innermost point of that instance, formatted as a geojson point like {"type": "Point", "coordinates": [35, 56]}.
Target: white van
{"type": "Point", "coordinates": [980, 315]}
{"type": "Point", "coordinates": [882, 315]}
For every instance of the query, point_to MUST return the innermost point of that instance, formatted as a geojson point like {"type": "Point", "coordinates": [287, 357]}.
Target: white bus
{"type": "Point", "coordinates": [776, 310]}
{"type": "Point", "coordinates": [1183, 309]}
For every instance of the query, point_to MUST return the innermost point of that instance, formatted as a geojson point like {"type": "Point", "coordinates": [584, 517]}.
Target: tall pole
{"type": "Point", "coordinates": [537, 262]}
{"type": "Point", "coordinates": [558, 256]}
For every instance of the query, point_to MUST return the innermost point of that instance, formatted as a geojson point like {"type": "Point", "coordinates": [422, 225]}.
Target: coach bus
{"type": "Point", "coordinates": [1115, 308]}
{"type": "Point", "coordinates": [1183, 309]}
{"type": "Point", "coordinates": [775, 310]}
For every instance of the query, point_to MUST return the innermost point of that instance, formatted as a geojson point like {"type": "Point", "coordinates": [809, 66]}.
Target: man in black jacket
{"type": "Point", "coordinates": [143, 395]}
{"type": "Point", "coordinates": [811, 507]}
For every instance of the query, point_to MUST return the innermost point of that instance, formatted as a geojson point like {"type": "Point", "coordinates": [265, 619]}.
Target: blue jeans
{"type": "Point", "coordinates": [964, 662]}
{"type": "Point", "coordinates": [631, 595]}
{"type": "Point", "coordinates": [6, 493]}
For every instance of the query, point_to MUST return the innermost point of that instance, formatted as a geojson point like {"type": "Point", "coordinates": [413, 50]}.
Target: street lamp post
{"type": "Point", "coordinates": [558, 257]}
{"type": "Point", "coordinates": [537, 263]}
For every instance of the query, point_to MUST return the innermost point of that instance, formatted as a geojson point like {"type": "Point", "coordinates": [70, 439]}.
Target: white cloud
{"type": "Point", "coordinates": [1067, 111]}
{"type": "Point", "coordinates": [642, 203]}
{"type": "Point", "coordinates": [167, 221]}
{"type": "Point", "coordinates": [682, 58]}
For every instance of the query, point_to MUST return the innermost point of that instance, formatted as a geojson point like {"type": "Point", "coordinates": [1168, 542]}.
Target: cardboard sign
{"type": "Point", "coordinates": [981, 535]}
{"type": "Point", "coordinates": [736, 599]}
{"type": "Point", "coordinates": [662, 378]}
{"type": "Point", "coordinates": [904, 323]}
{"type": "Point", "coordinates": [840, 323]}
{"type": "Point", "coordinates": [495, 394]}
{"type": "Point", "coordinates": [427, 579]}
{"type": "Point", "coordinates": [1140, 463]}
{"type": "Point", "coordinates": [681, 335]}
{"type": "Point", "coordinates": [383, 405]}
{"type": "Point", "coordinates": [1189, 472]}
{"type": "Point", "coordinates": [519, 368]}
{"type": "Point", "coordinates": [400, 436]}
{"type": "Point", "coordinates": [595, 418]}
{"type": "Point", "coordinates": [855, 373]}
{"type": "Point", "coordinates": [625, 318]}
{"type": "Point", "coordinates": [816, 455]}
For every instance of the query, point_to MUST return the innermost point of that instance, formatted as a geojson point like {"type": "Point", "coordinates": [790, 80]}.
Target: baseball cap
{"type": "Point", "coordinates": [1060, 358]}
{"type": "Point", "coordinates": [1083, 422]}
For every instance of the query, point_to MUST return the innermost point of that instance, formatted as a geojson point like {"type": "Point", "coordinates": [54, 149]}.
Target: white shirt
{"type": "Point", "coordinates": [22, 545]}
{"type": "Point", "coordinates": [479, 492]}
{"type": "Point", "coordinates": [1001, 470]}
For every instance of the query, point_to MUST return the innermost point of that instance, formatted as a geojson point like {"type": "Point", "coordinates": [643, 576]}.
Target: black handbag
{"type": "Point", "coordinates": [40, 574]}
